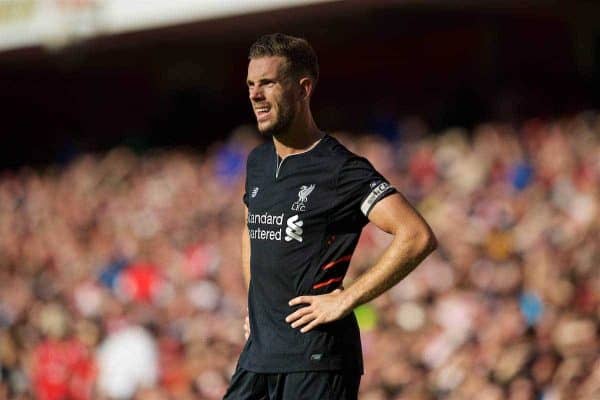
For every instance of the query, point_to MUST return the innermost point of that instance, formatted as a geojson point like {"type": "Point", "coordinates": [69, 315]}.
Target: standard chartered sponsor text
{"type": "Point", "coordinates": [265, 234]}
{"type": "Point", "coordinates": [261, 233]}
{"type": "Point", "coordinates": [265, 219]}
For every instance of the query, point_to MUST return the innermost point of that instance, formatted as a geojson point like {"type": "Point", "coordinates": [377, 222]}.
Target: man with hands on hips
{"type": "Point", "coordinates": [307, 199]}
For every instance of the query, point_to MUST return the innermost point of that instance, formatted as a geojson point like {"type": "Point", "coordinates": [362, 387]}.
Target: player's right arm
{"type": "Point", "coordinates": [246, 250]}
{"type": "Point", "coordinates": [246, 265]}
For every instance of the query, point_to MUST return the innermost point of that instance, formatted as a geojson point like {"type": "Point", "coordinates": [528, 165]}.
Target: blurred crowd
{"type": "Point", "coordinates": [120, 273]}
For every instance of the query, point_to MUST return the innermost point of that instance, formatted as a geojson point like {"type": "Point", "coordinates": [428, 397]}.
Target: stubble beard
{"type": "Point", "coordinates": [281, 125]}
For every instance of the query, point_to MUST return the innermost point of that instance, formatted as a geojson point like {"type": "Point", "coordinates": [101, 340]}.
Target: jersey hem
{"type": "Point", "coordinates": [301, 365]}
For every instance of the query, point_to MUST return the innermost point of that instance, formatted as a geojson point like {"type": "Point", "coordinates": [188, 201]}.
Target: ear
{"type": "Point", "coordinates": [306, 87]}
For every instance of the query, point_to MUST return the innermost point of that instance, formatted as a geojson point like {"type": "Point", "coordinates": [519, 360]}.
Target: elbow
{"type": "Point", "coordinates": [424, 242]}
{"type": "Point", "coordinates": [430, 242]}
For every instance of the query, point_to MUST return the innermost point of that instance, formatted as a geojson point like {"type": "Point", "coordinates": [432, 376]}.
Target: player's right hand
{"type": "Point", "coordinates": [246, 327]}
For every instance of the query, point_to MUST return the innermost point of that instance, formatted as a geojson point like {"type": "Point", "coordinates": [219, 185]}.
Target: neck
{"type": "Point", "coordinates": [298, 138]}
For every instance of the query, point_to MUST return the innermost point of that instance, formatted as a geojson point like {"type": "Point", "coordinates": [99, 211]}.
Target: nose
{"type": "Point", "coordinates": [256, 93]}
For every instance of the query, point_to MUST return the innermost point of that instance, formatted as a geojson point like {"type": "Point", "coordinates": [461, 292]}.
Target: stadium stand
{"type": "Point", "coordinates": [118, 258]}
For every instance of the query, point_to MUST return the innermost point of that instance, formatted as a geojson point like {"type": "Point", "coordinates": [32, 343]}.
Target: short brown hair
{"type": "Point", "coordinates": [301, 57]}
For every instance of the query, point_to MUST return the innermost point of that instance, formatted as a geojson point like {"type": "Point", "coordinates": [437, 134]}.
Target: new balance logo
{"type": "Point", "coordinates": [293, 229]}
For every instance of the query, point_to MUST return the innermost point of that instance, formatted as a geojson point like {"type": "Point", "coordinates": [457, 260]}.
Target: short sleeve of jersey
{"type": "Point", "coordinates": [248, 166]}
{"type": "Point", "coordinates": [245, 195]}
{"type": "Point", "coordinates": [359, 188]}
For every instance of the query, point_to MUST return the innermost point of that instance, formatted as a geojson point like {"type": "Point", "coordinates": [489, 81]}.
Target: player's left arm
{"type": "Point", "coordinates": [413, 241]}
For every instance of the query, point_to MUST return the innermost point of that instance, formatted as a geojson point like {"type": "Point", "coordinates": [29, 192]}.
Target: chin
{"type": "Point", "coordinates": [265, 130]}
{"type": "Point", "coordinates": [268, 128]}
{"type": "Point", "coordinates": [274, 127]}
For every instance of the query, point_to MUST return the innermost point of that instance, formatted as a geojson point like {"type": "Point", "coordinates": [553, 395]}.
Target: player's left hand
{"type": "Point", "coordinates": [320, 310]}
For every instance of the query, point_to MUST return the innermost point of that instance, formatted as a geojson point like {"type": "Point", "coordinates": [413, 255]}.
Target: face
{"type": "Point", "coordinates": [271, 93]}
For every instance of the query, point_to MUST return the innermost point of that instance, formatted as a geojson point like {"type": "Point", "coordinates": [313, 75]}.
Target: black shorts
{"type": "Point", "coordinates": [309, 385]}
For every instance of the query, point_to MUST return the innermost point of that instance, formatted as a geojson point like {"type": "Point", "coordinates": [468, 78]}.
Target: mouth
{"type": "Point", "coordinates": [262, 113]}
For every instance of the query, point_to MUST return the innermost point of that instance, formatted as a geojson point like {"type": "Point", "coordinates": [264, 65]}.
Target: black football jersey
{"type": "Point", "coordinates": [305, 215]}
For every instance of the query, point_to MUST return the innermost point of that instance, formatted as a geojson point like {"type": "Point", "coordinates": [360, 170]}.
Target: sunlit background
{"type": "Point", "coordinates": [124, 129]}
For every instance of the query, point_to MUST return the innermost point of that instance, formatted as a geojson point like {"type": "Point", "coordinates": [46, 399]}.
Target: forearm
{"type": "Point", "coordinates": [246, 256]}
{"type": "Point", "coordinates": [246, 250]}
{"type": "Point", "coordinates": [246, 267]}
{"type": "Point", "coordinates": [398, 260]}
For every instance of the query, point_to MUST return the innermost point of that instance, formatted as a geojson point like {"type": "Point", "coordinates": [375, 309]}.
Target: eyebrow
{"type": "Point", "coordinates": [261, 81]}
